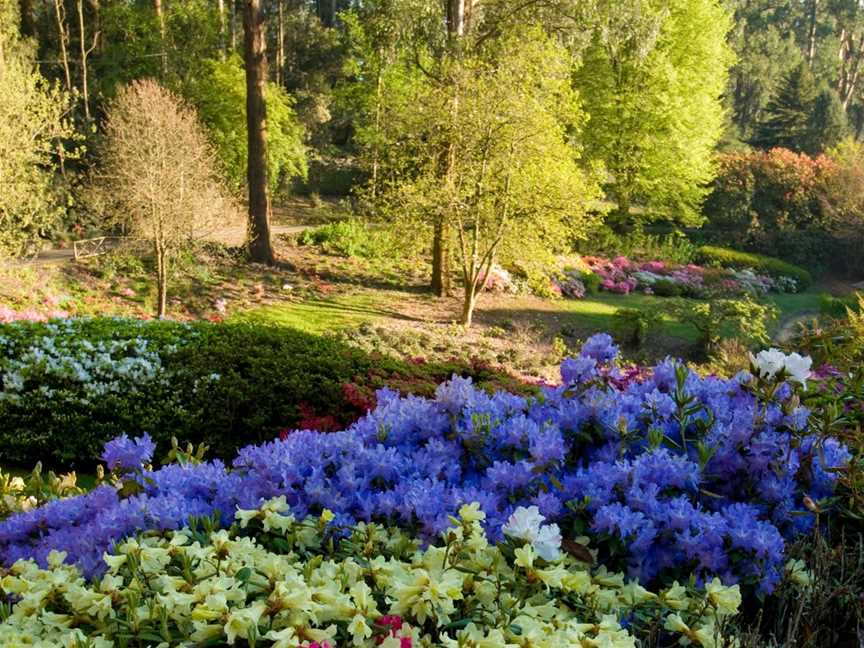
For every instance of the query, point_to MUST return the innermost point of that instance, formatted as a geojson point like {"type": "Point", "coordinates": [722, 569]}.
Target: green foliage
{"type": "Point", "coordinates": [651, 81]}
{"type": "Point", "coordinates": [667, 288]}
{"type": "Point", "coordinates": [802, 117]}
{"type": "Point", "coordinates": [220, 95]}
{"type": "Point", "coordinates": [839, 307]}
{"type": "Point", "coordinates": [353, 238]}
{"type": "Point", "coordinates": [33, 129]}
{"type": "Point", "coordinates": [765, 51]}
{"type": "Point", "coordinates": [510, 187]}
{"type": "Point", "coordinates": [132, 44]}
{"type": "Point", "coordinates": [634, 324]}
{"type": "Point", "coordinates": [639, 244]}
{"type": "Point", "coordinates": [225, 385]}
{"type": "Point", "coordinates": [744, 319]}
{"type": "Point", "coordinates": [728, 258]}
{"type": "Point", "coordinates": [787, 116]}
{"type": "Point", "coordinates": [591, 281]}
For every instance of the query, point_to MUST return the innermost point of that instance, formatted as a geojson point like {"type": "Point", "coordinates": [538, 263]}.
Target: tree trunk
{"type": "Point", "coordinates": [233, 24]}
{"type": "Point", "coordinates": [160, 16]}
{"type": "Point", "coordinates": [470, 301]}
{"type": "Point", "coordinates": [161, 279]}
{"type": "Point", "coordinates": [456, 18]}
{"type": "Point", "coordinates": [223, 42]}
{"type": "Point", "coordinates": [280, 58]}
{"type": "Point", "coordinates": [63, 39]}
{"type": "Point", "coordinates": [85, 93]}
{"type": "Point", "coordinates": [811, 37]}
{"type": "Point", "coordinates": [379, 89]}
{"type": "Point", "coordinates": [260, 249]}
{"type": "Point", "coordinates": [441, 283]}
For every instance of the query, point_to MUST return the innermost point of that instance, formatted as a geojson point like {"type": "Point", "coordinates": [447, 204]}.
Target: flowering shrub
{"type": "Point", "coordinates": [624, 276]}
{"type": "Point", "coordinates": [272, 580]}
{"type": "Point", "coordinates": [24, 493]}
{"type": "Point", "coordinates": [673, 474]}
{"type": "Point", "coordinates": [571, 284]}
{"type": "Point", "coordinates": [224, 384]}
{"type": "Point", "coordinates": [499, 281]}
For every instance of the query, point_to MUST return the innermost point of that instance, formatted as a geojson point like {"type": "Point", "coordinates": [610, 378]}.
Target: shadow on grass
{"type": "Point", "coordinates": [320, 315]}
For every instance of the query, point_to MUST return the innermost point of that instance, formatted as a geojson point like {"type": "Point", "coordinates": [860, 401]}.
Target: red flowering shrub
{"type": "Point", "coordinates": [785, 204]}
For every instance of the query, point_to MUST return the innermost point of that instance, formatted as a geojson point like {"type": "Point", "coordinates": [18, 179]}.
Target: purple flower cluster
{"type": "Point", "coordinates": [127, 454]}
{"type": "Point", "coordinates": [672, 473]}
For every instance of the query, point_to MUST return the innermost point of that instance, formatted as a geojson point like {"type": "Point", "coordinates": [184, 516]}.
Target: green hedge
{"type": "Point", "coordinates": [720, 256]}
{"type": "Point", "coordinates": [226, 385]}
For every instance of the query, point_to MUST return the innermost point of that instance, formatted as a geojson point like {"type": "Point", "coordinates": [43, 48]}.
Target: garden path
{"type": "Point", "coordinates": [234, 235]}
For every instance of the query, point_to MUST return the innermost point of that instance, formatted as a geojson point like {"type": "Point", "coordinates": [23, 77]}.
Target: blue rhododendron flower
{"type": "Point", "coordinates": [128, 454]}
{"type": "Point", "coordinates": [600, 347]}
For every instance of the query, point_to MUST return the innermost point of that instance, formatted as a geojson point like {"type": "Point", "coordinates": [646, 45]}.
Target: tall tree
{"type": "Point", "coordinates": [828, 124]}
{"type": "Point", "coordinates": [651, 81]}
{"type": "Point", "coordinates": [260, 247]}
{"type": "Point", "coordinates": [512, 185]}
{"type": "Point", "coordinates": [85, 51]}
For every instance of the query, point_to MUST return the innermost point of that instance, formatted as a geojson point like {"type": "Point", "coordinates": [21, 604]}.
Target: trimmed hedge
{"type": "Point", "coordinates": [720, 256]}
{"type": "Point", "coordinates": [226, 385]}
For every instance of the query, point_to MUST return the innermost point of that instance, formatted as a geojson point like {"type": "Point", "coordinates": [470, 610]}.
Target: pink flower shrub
{"type": "Point", "coordinates": [498, 280]}
{"type": "Point", "coordinates": [657, 267]}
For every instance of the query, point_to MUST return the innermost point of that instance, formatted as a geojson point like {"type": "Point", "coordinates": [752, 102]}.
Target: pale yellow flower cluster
{"type": "Point", "coordinates": [19, 494]}
{"type": "Point", "coordinates": [232, 587]}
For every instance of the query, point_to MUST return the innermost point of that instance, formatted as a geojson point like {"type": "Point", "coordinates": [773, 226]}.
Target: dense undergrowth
{"type": "Point", "coordinates": [224, 384]}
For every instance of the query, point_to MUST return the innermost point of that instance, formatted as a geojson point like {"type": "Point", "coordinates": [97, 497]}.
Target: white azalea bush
{"type": "Point", "coordinates": [271, 580]}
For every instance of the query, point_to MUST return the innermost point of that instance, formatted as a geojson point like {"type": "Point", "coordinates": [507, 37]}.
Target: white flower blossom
{"type": "Point", "coordinates": [527, 524]}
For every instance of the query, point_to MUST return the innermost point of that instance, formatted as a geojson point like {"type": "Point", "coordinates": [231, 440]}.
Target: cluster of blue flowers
{"type": "Point", "coordinates": [671, 472]}
{"type": "Point", "coordinates": [125, 454]}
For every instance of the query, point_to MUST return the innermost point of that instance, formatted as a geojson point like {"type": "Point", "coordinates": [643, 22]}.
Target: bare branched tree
{"type": "Point", "coordinates": [159, 173]}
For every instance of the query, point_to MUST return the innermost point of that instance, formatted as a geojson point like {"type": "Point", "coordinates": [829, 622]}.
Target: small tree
{"type": "Point", "coordinates": [159, 173]}
{"type": "Point", "coordinates": [514, 188]}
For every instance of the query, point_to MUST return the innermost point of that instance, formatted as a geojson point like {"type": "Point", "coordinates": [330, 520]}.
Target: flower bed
{"type": "Point", "coordinates": [624, 276]}
{"type": "Point", "coordinates": [673, 475]}
{"type": "Point", "coordinates": [569, 506]}
{"type": "Point", "coordinates": [273, 580]}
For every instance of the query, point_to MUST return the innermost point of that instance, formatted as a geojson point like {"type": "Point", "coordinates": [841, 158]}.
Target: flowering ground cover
{"type": "Point", "coordinates": [624, 276]}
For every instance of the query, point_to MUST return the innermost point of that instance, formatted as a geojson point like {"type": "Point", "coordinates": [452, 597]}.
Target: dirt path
{"type": "Point", "coordinates": [790, 326]}
{"type": "Point", "coordinates": [227, 235]}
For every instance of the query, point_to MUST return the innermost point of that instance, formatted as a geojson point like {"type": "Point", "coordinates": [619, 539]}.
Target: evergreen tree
{"type": "Point", "coordinates": [787, 121]}
{"type": "Point", "coordinates": [802, 117]}
{"type": "Point", "coordinates": [828, 122]}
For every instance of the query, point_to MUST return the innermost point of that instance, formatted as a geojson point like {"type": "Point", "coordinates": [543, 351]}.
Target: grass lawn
{"type": "Point", "coordinates": [791, 304]}
{"type": "Point", "coordinates": [318, 315]}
